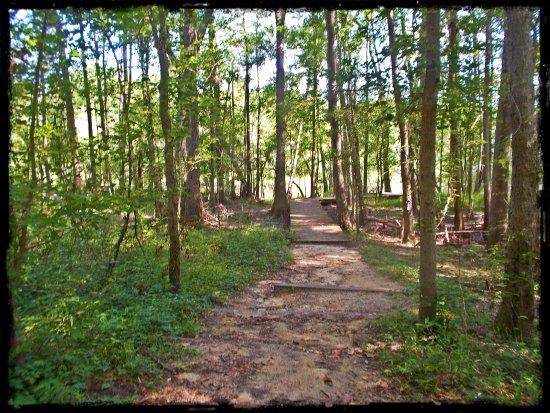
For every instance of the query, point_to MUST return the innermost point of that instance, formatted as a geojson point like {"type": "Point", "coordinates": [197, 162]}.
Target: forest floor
{"type": "Point", "coordinates": [270, 347]}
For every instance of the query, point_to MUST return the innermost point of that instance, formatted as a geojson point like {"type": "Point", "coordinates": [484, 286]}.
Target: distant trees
{"type": "Point", "coordinates": [86, 85]}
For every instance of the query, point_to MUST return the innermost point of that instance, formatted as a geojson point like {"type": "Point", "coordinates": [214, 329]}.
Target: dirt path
{"type": "Point", "coordinates": [270, 347]}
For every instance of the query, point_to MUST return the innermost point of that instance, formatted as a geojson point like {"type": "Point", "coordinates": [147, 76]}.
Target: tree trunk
{"type": "Point", "coordinates": [516, 312]}
{"type": "Point", "coordinates": [192, 208]}
{"type": "Point", "coordinates": [336, 138]}
{"type": "Point", "coordinates": [386, 178]}
{"type": "Point", "coordinates": [313, 182]}
{"type": "Point", "coordinates": [232, 193]}
{"type": "Point", "coordinates": [69, 109]}
{"type": "Point", "coordinates": [356, 165]}
{"type": "Point", "coordinates": [247, 188]}
{"type": "Point", "coordinates": [258, 128]}
{"type": "Point", "coordinates": [367, 104]}
{"type": "Point", "coordinates": [281, 207]}
{"type": "Point", "coordinates": [403, 136]}
{"type": "Point", "coordinates": [294, 160]}
{"type": "Point", "coordinates": [323, 171]}
{"type": "Point", "coordinates": [161, 37]}
{"type": "Point", "coordinates": [104, 148]}
{"type": "Point", "coordinates": [428, 290]}
{"type": "Point", "coordinates": [454, 147]}
{"type": "Point", "coordinates": [91, 139]}
{"type": "Point", "coordinates": [498, 211]}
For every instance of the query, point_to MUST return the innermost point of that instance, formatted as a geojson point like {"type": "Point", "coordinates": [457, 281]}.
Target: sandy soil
{"type": "Point", "coordinates": [270, 347]}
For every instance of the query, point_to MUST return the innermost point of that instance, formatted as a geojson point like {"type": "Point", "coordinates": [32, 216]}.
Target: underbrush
{"type": "Point", "coordinates": [458, 357]}
{"type": "Point", "coordinates": [83, 336]}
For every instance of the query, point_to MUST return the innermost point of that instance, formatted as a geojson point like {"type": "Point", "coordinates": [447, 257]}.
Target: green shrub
{"type": "Point", "coordinates": [78, 330]}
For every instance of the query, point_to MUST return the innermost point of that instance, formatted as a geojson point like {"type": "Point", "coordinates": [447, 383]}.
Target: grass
{"type": "Point", "coordinates": [464, 360]}
{"type": "Point", "coordinates": [84, 337]}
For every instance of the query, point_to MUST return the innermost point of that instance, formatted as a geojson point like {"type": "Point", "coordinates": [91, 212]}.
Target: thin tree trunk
{"type": "Point", "coordinates": [428, 290]}
{"type": "Point", "coordinates": [294, 161]}
{"type": "Point", "coordinates": [247, 187]}
{"type": "Point", "coordinates": [454, 148]}
{"type": "Point", "coordinates": [336, 138]}
{"type": "Point", "coordinates": [487, 122]}
{"type": "Point", "coordinates": [281, 207]}
{"type": "Point", "coordinates": [258, 129]}
{"type": "Point", "coordinates": [356, 166]}
{"type": "Point", "coordinates": [403, 137]}
{"type": "Point", "coordinates": [517, 309]}
{"type": "Point", "coordinates": [91, 139]}
{"type": "Point", "coordinates": [160, 36]}
{"type": "Point", "coordinates": [324, 171]}
{"type": "Point", "coordinates": [313, 182]}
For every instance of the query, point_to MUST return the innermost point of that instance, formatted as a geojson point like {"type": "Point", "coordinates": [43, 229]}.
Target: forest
{"type": "Point", "coordinates": [269, 207]}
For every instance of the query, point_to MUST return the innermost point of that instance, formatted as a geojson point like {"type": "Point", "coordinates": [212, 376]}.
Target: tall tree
{"type": "Point", "coordinates": [246, 188]}
{"type": "Point", "coordinates": [403, 136]}
{"type": "Point", "coordinates": [486, 158]}
{"type": "Point", "coordinates": [498, 210]}
{"type": "Point", "coordinates": [86, 84]}
{"type": "Point", "coordinates": [431, 58]}
{"type": "Point", "coordinates": [192, 208]}
{"type": "Point", "coordinates": [160, 36]}
{"type": "Point", "coordinates": [516, 312]}
{"type": "Point", "coordinates": [281, 207]}
{"type": "Point", "coordinates": [454, 148]}
{"type": "Point", "coordinates": [336, 137]}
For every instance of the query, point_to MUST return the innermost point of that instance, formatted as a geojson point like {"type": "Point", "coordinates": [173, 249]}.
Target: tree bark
{"type": "Point", "coordinates": [454, 147]}
{"type": "Point", "coordinates": [516, 312]}
{"type": "Point", "coordinates": [403, 137]}
{"type": "Point", "coordinates": [160, 36]}
{"type": "Point", "coordinates": [498, 211]}
{"type": "Point", "coordinates": [192, 208]}
{"type": "Point", "coordinates": [428, 290]}
{"type": "Point", "coordinates": [281, 207]}
{"type": "Point", "coordinates": [336, 138]}
{"type": "Point", "coordinates": [486, 164]}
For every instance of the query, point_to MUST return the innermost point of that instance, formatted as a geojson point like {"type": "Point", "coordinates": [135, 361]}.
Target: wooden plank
{"type": "Point", "coordinates": [327, 241]}
{"type": "Point", "coordinates": [321, 287]}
